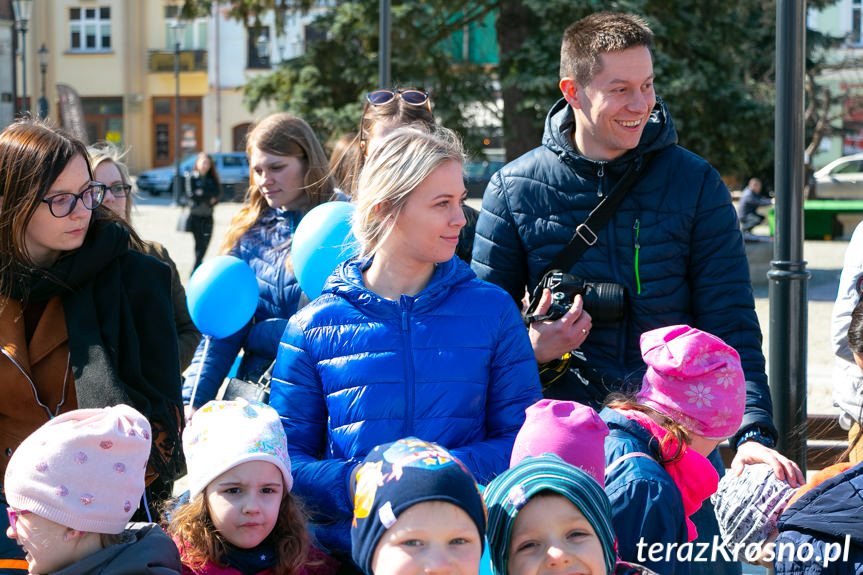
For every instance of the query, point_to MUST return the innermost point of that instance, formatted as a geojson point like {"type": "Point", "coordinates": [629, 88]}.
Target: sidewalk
{"type": "Point", "coordinates": [155, 219]}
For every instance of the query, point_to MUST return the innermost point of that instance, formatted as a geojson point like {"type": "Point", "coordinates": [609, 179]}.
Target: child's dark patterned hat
{"type": "Point", "coordinates": [396, 476]}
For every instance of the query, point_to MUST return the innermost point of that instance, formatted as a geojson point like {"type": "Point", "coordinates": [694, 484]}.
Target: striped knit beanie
{"type": "Point", "coordinates": [511, 490]}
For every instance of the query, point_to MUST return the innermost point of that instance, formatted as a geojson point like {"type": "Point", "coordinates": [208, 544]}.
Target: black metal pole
{"type": "Point", "coordinates": [177, 175]}
{"type": "Point", "coordinates": [384, 46]}
{"type": "Point", "coordinates": [43, 101]}
{"type": "Point", "coordinates": [24, 105]}
{"type": "Point", "coordinates": [788, 275]}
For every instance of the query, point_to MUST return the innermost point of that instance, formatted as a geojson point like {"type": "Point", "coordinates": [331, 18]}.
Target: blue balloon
{"type": "Point", "coordinates": [322, 241]}
{"type": "Point", "coordinates": [222, 296]}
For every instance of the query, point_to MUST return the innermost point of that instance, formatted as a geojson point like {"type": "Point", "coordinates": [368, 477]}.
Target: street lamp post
{"type": "Point", "coordinates": [23, 9]}
{"type": "Point", "coordinates": [177, 36]}
{"type": "Point", "coordinates": [43, 67]}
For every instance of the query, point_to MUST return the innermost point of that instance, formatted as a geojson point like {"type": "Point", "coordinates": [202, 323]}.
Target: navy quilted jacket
{"type": "Point", "coordinates": [674, 244]}
{"type": "Point", "coordinates": [264, 246]}
{"type": "Point", "coordinates": [824, 523]}
{"type": "Point", "coordinates": [452, 365]}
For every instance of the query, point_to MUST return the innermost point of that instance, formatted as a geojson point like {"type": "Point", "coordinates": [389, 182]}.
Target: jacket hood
{"type": "Point", "coordinates": [832, 508]}
{"type": "Point", "coordinates": [347, 282]}
{"type": "Point", "coordinates": [659, 133]}
{"type": "Point", "coordinates": [147, 551]}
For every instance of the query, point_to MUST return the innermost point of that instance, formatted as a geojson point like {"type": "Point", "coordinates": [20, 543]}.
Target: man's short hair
{"type": "Point", "coordinates": [586, 39]}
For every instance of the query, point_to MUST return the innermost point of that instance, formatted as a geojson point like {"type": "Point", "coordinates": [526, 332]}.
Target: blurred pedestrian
{"type": "Point", "coordinates": [203, 191]}
{"type": "Point", "coordinates": [748, 204]}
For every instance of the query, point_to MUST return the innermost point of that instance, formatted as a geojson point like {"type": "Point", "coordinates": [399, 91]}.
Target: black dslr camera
{"type": "Point", "coordinates": [603, 301]}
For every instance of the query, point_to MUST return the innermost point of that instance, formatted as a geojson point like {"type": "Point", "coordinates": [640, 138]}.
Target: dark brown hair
{"type": "Point", "coordinates": [595, 34]}
{"type": "Point", "coordinates": [201, 543]}
{"type": "Point", "coordinates": [675, 429]}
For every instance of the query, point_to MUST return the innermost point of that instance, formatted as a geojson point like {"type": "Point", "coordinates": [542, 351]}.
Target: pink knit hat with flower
{"type": "Point", "coordinates": [694, 378]}
{"type": "Point", "coordinates": [572, 431]}
{"type": "Point", "coordinates": [83, 469]}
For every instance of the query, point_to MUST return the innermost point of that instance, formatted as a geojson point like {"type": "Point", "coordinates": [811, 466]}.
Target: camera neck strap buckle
{"type": "Point", "coordinates": [586, 234]}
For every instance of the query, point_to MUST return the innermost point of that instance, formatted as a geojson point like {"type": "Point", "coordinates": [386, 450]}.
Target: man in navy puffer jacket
{"type": "Point", "coordinates": [674, 243]}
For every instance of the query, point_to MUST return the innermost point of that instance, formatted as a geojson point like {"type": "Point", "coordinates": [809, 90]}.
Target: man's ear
{"type": "Point", "coordinates": [569, 89]}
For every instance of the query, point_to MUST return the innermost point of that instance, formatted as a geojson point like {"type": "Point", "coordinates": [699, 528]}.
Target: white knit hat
{"type": "Point", "coordinates": [83, 469]}
{"type": "Point", "coordinates": [224, 434]}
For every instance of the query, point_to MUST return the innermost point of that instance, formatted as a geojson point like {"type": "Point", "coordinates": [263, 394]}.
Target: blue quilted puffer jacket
{"type": "Point", "coordinates": [825, 523]}
{"type": "Point", "coordinates": [265, 246]}
{"type": "Point", "coordinates": [452, 365]}
{"type": "Point", "coordinates": [674, 243]}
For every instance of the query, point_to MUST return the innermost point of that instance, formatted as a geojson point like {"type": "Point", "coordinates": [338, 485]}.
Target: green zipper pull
{"type": "Point", "coordinates": [637, 228]}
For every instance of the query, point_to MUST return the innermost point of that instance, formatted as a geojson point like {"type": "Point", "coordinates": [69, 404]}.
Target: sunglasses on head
{"type": "Point", "coordinates": [412, 97]}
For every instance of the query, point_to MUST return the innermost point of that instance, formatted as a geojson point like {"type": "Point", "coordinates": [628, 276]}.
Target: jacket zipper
{"type": "Point", "coordinates": [33, 385]}
{"type": "Point", "coordinates": [601, 173]}
{"type": "Point", "coordinates": [405, 304]}
{"type": "Point", "coordinates": [637, 228]}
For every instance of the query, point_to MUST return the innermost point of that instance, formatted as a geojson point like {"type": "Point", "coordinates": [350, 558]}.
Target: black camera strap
{"type": "Point", "coordinates": [585, 234]}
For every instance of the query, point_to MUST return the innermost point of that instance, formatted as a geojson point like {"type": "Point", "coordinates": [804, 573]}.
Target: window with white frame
{"type": "Point", "coordinates": [90, 29]}
{"type": "Point", "coordinates": [856, 22]}
{"type": "Point", "coordinates": [194, 31]}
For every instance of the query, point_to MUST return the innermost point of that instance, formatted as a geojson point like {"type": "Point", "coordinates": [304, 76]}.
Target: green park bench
{"type": "Point", "coordinates": [822, 218]}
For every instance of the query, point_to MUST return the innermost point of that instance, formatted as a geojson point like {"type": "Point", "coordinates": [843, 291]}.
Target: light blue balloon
{"type": "Point", "coordinates": [222, 296]}
{"type": "Point", "coordinates": [321, 242]}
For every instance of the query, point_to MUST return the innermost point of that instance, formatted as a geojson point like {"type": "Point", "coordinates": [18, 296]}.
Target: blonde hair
{"type": "Point", "coordinates": [102, 152]}
{"type": "Point", "coordinates": [281, 134]}
{"type": "Point", "coordinates": [399, 163]}
{"type": "Point", "coordinates": [201, 543]}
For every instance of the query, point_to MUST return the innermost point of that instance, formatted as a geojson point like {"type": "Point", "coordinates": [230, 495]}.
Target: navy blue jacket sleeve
{"type": "Point", "coordinates": [722, 299]}
{"type": "Point", "coordinates": [498, 255]}
{"type": "Point", "coordinates": [212, 367]}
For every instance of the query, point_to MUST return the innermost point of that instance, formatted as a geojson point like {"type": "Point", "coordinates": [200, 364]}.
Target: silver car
{"type": "Point", "coordinates": [232, 167]}
{"type": "Point", "coordinates": [841, 179]}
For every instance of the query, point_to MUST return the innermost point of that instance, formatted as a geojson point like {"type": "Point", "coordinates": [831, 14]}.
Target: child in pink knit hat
{"type": "Point", "coordinates": [692, 398]}
{"type": "Point", "coordinates": [572, 431]}
{"type": "Point", "coordinates": [72, 487]}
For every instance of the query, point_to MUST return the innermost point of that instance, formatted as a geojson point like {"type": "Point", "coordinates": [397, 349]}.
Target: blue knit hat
{"type": "Point", "coordinates": [511, 490]}
{"type": "Point", "coordinates": [396, 476]}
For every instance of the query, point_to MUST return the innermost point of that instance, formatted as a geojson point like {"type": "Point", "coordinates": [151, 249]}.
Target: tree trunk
{"type": "Point", "coordinates": [514, 24]}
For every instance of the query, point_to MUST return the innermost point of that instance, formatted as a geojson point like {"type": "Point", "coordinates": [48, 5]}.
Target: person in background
{"type": "Point", "coordinates": [417, 509]}
{"type": "Point", "coordinates": [403, 340]}
{"type": "Point", "coordinates": [203, 191]}
{"type": "Point", "coordinates": [847, 374]}
{"type": "Point", "coordinates": [342, 162]}
{"type": "Point", "coordinates": [288, 175]}
{"type": "Point", "coordinates": [748, 204]}
{"type": "Point", "coordinates": [109, 169]}
{"type": "Point", "coordinates": [68, 522]}
{"type": "Point", "coordinates": [241, 518]}
{"type": "Point", "coordinates": [85, 321]}
{"type": "Point", "coordinates": [383, 112]}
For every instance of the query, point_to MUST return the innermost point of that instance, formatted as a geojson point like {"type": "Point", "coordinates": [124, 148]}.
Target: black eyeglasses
{"type": "Point", "coordinates": [120, 190]}
{"type": "Point", "coordinates": [412, 97]}
{"type": "Point", "coordinates": [61, 205]}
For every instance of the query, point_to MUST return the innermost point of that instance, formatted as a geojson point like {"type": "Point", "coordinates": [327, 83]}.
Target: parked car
{"type": "Point", "coordinates": [841, 179]}
{"type": "Point", "coordinates": [232, 167]}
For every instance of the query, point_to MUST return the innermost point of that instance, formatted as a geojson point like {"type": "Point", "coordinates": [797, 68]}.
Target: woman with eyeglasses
{"type": "Point", "coordinates": [203, 191]}
{"type": "Point", "coordinates": [109, 169]}
{"type": "Point", "coordinates": [85, 321]}
{"type": "Point", "coordinates": [289, 175]}
{"type": "Point", "coordinates": [404, 341]}
{"type": "Point", "coordinates": [383, 112]}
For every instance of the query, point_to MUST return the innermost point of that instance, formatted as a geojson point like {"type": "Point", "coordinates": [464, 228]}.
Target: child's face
{"type": "Point", "coordinates": [551, 535]}
{"type": "Point", "coordinates": [244, 502]}
{"type": "Point", "coordinates": [430, 537]}
{"type": "Point", "coordinates": [42, 540]}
